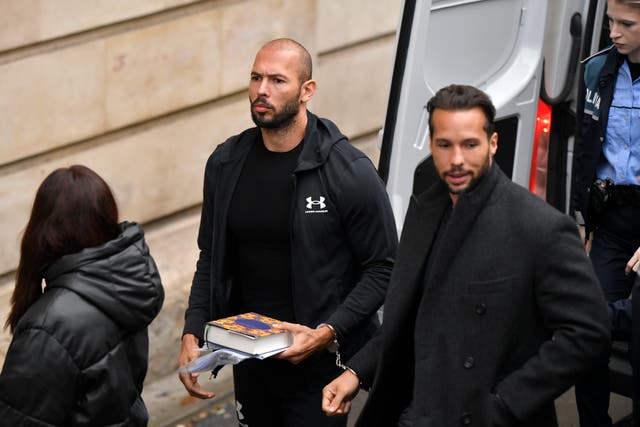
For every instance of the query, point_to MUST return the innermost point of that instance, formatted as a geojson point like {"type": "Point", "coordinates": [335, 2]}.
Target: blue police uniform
{"type": "Point", "coordinates": [608, 147]}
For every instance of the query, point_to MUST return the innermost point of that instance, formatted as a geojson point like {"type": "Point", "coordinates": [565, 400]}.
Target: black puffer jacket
{"type": "Point", "coordinates": [79, 354]}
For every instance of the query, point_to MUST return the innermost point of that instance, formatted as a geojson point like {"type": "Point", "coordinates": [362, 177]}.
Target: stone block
{"type": "Point", "coordinates": [353, 86]}
{"type": "Point", "coordinates": [175, 250]}
{"type": "Point", "coordinates": [58, 97]}
{"type": "Point", "coordinates": [155, 70]}
{"type": "Point", "coordinates": [341, 23]}
{"type": "Point", "coordinates": [18, 24]}
{"type": "Point", "coordinates": [368, 144]}
{"type": "Point", "coordinates": [243, 33]}
{"type": "Point", "coordinates": [154, 170]}
{"type": "Point", "coordinates": [106, 84]}
{"type": "Point", "coordinates": [6, 289]}
{"type": "Point", "coordinates": [50, 99]}
{"type": "Point", "coordinates": [30, 21]}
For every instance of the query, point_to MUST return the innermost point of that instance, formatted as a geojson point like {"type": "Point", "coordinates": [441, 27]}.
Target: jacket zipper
{"type": "Point", "coordinates": [294, 199]}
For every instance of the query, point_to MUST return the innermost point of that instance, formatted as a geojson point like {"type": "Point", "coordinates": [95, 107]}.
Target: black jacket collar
{"type": "Point", "coordinates": [320, 136]}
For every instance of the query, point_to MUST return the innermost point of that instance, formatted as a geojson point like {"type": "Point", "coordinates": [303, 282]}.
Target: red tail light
{"type": "Point", "coordinates": [540, 154]}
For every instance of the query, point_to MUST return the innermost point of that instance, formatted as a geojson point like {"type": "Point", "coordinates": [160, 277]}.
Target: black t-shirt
{"type": "Point", "coordinates": [259, 224]}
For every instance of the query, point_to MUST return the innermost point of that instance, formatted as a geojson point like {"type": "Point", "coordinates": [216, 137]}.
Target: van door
{"type": "Point", "coordinates": [496, 45]}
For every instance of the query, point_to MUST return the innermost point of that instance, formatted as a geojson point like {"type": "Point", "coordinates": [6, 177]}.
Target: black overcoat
{"type": "Point", "coordinates": [509, 307]}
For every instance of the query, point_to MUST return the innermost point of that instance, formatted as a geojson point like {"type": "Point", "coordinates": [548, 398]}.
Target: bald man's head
{"type": "Point", "coordinates": [305, 71]}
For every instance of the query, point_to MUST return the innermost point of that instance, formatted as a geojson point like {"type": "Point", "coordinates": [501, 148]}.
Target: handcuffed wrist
{"type": "Point", "coordinates": [346, 368]}
{"type": "Point", "coordinates": [333, 345]}
{"type": "Point", "coordinates": [335, 334]}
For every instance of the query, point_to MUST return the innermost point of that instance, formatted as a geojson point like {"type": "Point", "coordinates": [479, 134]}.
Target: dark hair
{"type": "Point", "coordinates": [73, 209]}
{"type": "Point", "coordinates": [630, 3]}
{"type": "Point", "coordinates": [462, 97]}
{"type": "Point", "coordinates": [306, 66]}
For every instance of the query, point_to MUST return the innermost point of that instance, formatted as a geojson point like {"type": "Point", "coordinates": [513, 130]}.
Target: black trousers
{"type": "Point", "coordinates": [276, 393]}
{"type": "Point", "coordinates": [614, 242]}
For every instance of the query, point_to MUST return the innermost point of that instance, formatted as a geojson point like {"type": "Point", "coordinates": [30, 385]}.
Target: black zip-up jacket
{"type": "Point", "coordinates": [343, 236]}
{"type": "Point", "coordinates": [601, 70]}
{"type": "Point", "coordinates": [79, 354]}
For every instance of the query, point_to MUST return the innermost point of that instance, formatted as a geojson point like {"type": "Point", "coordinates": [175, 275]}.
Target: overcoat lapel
{"type": "Point", "coordinates": [463, 216]}
{"type": "Point", "coordinates": [418, 232]}
{"type": "Point", "coordinates": [405, 288]}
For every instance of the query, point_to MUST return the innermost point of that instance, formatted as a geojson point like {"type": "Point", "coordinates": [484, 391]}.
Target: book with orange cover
{"type": "Point", "coordinates": [250, 333]}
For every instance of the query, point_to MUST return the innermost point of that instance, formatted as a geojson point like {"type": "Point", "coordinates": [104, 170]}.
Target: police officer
{"type": "Point", "coordinates": [607, 175]}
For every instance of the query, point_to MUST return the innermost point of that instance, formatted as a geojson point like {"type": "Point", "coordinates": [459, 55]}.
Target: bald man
{"type": "Point", "coordinates": [295, 225]}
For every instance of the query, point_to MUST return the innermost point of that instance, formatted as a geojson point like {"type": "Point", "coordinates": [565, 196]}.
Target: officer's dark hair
{"type": "Point", "coordinates": [630, 3]}
{"type": "Point", "coordinates": [462, 97]}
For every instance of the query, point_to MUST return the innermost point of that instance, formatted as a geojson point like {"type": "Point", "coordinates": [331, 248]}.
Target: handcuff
{"type": "Point", "coordinates": [334, 347]}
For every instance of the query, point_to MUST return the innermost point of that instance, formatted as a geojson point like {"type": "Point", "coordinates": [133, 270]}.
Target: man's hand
{"type": "Point", "coordinates": [306, 341]}
{"type": "Point", "coordinates": [634, 263]}
{"type": "Point", "coordinates": [587, 244]}
{"type": "Point", "coordinates": [189, 352]}
{"type": "Point", "coordinates": [338, 394]}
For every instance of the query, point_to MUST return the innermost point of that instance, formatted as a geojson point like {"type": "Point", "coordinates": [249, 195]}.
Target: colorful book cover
{"type": "Point", "coordinates": [250, 333]}
{"type": "Point", "coordinates": [253, 325]}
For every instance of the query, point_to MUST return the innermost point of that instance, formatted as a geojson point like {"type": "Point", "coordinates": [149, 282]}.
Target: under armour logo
{"type": "Point", "coordinates": [317, 203]}
{"type": "Point", "coordinates": [240, 415]}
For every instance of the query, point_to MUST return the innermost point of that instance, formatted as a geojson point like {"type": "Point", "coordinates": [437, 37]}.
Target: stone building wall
{"type": "Point", "coordinates": [142, 91]}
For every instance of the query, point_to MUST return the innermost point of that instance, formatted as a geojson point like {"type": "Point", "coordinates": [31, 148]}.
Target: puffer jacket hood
{"type": "Point", "coordinates": [119, 271]}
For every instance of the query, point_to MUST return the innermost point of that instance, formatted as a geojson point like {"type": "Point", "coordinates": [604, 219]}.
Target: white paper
{"type": "Point", "coordinates": [216, 356]}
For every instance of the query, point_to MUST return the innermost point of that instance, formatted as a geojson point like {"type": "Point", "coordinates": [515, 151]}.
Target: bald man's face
{"type": "Point", "coordinates": [275, 88]}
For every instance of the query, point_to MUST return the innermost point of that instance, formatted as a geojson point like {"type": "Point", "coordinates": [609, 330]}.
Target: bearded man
{"type": "Point", "coordinates": [493, 309]}
{"type": "Point", "coordinates": [296, 225]}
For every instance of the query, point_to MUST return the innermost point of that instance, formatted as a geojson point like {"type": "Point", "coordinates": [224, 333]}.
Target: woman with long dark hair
{"type": "Point", "coordinates": [79, 351]}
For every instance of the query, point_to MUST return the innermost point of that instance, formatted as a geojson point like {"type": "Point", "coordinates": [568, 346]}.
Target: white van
{"type": "Point", "coordinates": [526, 55]}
